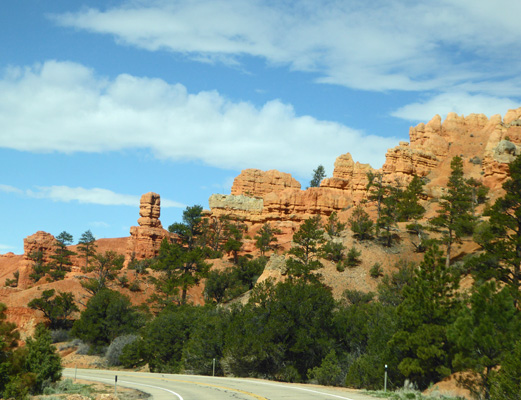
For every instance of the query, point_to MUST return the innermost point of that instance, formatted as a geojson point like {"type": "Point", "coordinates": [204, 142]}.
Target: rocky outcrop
{"type": "Point", "coordinates": [145, 239]}
{"type": "Point", "coordinates": [486, 145]}
{"type": "Point", "coordinates": [39, 242]}
{"type": "Point", "coordinates": [257, 183]}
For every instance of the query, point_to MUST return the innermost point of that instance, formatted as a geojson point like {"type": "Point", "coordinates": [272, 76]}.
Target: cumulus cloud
{"type": "Point", "coordinates": [82, 195]}
{"type": "Point", "coordinates": [378, 45]}
{"type": "Point", "coordinates": [65, 107]}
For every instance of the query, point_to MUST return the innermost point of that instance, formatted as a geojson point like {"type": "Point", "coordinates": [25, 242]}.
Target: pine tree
{"type": "Point", "coordinates": [429, 307]}
{"type": "Point", "coordinates": [308, 242]}
{"type": "Point", "coordinates": [181, 263]}
{"type": "Point", "coordinates": [501, 237]}
{"type": "Point", "coordinates": [61, 263]}
{"type": "Point", "coordinates": [455, 219]}
{"type": "Point", "coordinates": [361, 224]}
{"type": "Point", "coordinates": [318, 175]}
{"type": "Point", "coordinates": [57, 309]}
{"type": "Point", "coordinates": [87, 246]}
{"type": "Point", "coordinates": [105, 268]}
{"type": "Point", "coordinates": [409, 208]}
{"type": "Point", "coordinates": [484, 333]}
{"type": "Point", "coordinates": [389, 213]}
{"type": "Point", "coordinates": [265, 239]}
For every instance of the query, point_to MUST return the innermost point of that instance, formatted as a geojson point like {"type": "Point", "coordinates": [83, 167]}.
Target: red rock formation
{"type": "Point", "coordinates": [145, 239]}
{"type": "Point", "coordinates": [480, 141]}
{"type": "Point", "coordinates": [257, 183]}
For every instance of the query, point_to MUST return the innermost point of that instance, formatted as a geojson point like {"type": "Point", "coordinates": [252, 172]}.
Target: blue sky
{"type": "Point", "coordinates": [102, 101]}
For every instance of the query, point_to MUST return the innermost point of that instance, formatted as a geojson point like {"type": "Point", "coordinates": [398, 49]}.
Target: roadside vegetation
{"type": "Point", "coordinates": [419, 322]}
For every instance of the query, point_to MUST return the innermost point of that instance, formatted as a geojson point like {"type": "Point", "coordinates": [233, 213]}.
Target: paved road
{"type": "Point", "coordinates": [194, 387]}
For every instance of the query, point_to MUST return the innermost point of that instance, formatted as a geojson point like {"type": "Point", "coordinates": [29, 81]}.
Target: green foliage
{"type": "Point", "coordinates": [333, 251]}
{"type": "Point", "coordinates": [334, 226]}
{"type": "Point", "coordinates": [39, 267]}
{"type": "Point", "coordinates": [355, 297]}
{"type": "Point", "coordinates": [181, 264]}
{"type": "Point", "coordinates": [308, 242]}
{"type": "Point", "coordinates": [201, 348]}
{"type": "Point", "coordinates": [281, 333]}
{"type": "Point", "coordinates": [105, 268]}
{"type": "Point", "coordinates": [222, 286]}
{"type": "Point", "coordinates": [61, 263]}
{"type": "Point", "coordinates": [408, 207]}
{"type": "Point", "coordinates": [57, 309]}
{"type": "Point", "coordinates": [162, 340]}
{"type": "Point", "coordinates": [265, 239]}
{"type": "Point", "coordinates": [318, 175]}
{"type": "Point", "coordinates": [115, 349]}
{"type": "Point", "coordinates": [108, 315]}
{"type": "Point", "coordinates": [234, 234]}
{"type": "Point", "coordinates": [353, 257]}
{"type": "Point", "coordinates": [501, 237]}
{"type": "Point", "coordinates": [389, 213]}
{"type": "Point", "coordinates": [87, 246]}
{"type": "Point", "coordinates": [391, 288]}
{"type": "Point", "coordinates": [376, 271]}
{"type": "Point", "coordinates": [454, 217]}
{"type": "Point", "coordinates": [483, 334]}
{"type": "Point", "coordinates": [329, 372]}
{"type": "Point", "coordinates": [361, 224]}
{"type": "Point", "coordinates": [13, 282]}
{"type": "Point", "coordinates": [506, 383]}
{"type": "Point", "coordinates": [429, 306]}
{"type": "Point", "coordinates": [42, 359]}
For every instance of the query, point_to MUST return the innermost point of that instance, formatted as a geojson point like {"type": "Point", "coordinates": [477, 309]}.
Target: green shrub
{"type": "Point", "coordinates": [376, 271]}
{"type": "Point", "coordinates": [115, 349]}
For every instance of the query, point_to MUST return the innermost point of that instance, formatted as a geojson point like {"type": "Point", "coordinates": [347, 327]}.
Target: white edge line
{"type": "Point", "coordinates": [303, 389]}
{"type": "Point", "coordinates": [90, 378]}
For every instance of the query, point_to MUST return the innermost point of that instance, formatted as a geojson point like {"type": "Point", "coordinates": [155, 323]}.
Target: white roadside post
{"type": "Point", "coordinates": [385, 380]}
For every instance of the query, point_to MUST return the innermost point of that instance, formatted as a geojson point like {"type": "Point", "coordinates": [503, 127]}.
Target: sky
{"type": "Point", "coordinates": [103, 101]}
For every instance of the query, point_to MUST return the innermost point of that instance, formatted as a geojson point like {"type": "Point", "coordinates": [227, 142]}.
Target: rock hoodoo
{"type": "Point", "coordinates": [486, 146]}
{"type": "Point", "coordinates": [145, 239]}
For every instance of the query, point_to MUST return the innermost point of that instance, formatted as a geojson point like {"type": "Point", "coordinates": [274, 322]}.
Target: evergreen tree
{"type": "Point", "coordinates": [429, 306]}
{"type": "Point", "coordinates": [39, 267]}
{"type": "Point", "coordinates": [318, 175]}
{"type": "Point", "coordinates": [484, 334]}
{"type": "Point", "coordinates": [181, 263]}
{"type": "Point", "coordinates": [234, 234]}
{"type": "Point", "coordinates": [42, 359]}
{"type": "Point", "coordinates": [57, 310]}
{"type": "Point", "coordinates": [87, 246]}
{"type": "Point", "coordinates": [108, 314]}
{"type": "Point", "coordinates": [376, 191]}
{"type": "Point", "coordinates": [455, 219]}
{"type": "Point", "coordinates": [308, 242]}
{"type": "Point", "coordinates": [334, 226]}
{"type": "Point", "coordinates": [265, 239]}
{"type": "Point", "coordinates": [361, 224]}
{"type": "Point", "coordinates": [389, 213]}
{"type": "Point", "coordinates": [409, 207]}
{"type": "Point", "coordinates": [61, 263]}
{"type": "Point", "coordinates": [501, 237]}
{"type": "Point", "coordinates": [506, 384]}
{"type": "Point", "coordinates": [105, 268]}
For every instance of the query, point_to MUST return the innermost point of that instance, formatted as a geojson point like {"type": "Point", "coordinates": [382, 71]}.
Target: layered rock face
{"type": "Point", "coordinates": [42, 242]}
{"type": "Point", "coordinates": [486, 146]}
{"type": "Point", "coordinates": [257, 183]}
{"type": "Point", "coordinates": [145, 239]}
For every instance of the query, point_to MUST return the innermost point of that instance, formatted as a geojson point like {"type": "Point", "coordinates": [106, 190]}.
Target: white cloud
{"type": "Point", "coordinates": [6, 247]}
{"type": "Point", "coordinates": [65, 107]}
{"type": "Point", "coordinates": [377, 45]}
{"type": "Point", "coordinates": [10, 189]}
{"type": "Point", "coordinates": [97, 196]}
{"type": "Point", "coordinates": [461, 103]}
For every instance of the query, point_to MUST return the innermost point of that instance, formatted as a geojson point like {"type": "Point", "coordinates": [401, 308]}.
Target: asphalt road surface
{"type": "Point", "coordinates": [195, 387]}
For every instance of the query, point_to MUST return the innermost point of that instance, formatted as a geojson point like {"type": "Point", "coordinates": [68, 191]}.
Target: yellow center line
{"type": "Point", "coordinates": [256, 396]}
